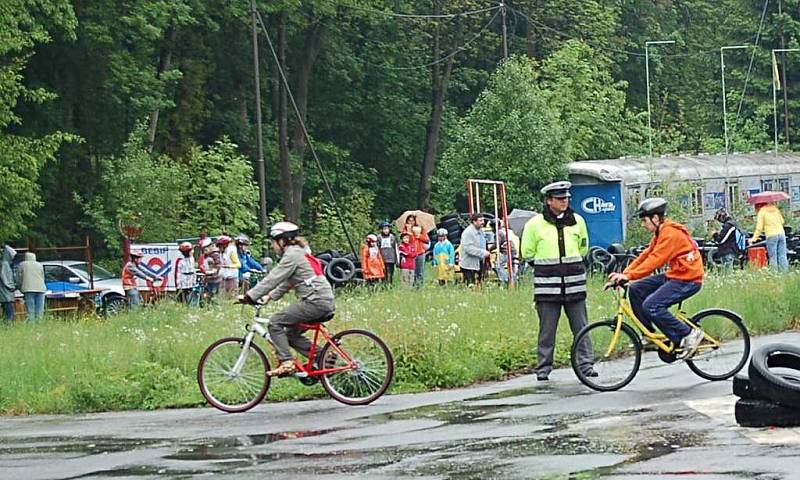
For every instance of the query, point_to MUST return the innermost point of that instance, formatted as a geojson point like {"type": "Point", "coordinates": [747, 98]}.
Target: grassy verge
{"type": "Point", "coordinates": [441, 337]}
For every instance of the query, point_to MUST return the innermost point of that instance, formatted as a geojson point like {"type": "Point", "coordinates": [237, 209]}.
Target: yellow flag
{"type": "Point", "coordinates": [775, 76]}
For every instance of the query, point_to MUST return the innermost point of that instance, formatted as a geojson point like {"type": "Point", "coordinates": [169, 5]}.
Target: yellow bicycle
{"type": "Point", "coordinates": [606, 355]}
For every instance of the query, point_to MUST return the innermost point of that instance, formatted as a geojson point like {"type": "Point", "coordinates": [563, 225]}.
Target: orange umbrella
{"type": "Point", "coordinates": [424, 220]}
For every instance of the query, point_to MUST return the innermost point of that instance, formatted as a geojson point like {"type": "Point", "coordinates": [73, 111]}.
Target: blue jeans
{"type": "Point", "coordinates": [34, 304]}
{"type": "Point", "coordinates": [8, 311]}
{"type": "Point", "coordinates": [502, 268]}
{"type": "Point", "coordinates": [776, 251]}
{"type": "Point", "coordinates": [419, 269]}
{"type": "Point", "coordinates": [134, 297]}
{"type": "Point", "coordinates": [651, 298]}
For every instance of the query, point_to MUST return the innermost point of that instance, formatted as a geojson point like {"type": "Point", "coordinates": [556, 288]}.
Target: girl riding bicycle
{"type": "Point", "coordinates": [298, 270]}
{"type": "Point", "coordinates": [651, 297]}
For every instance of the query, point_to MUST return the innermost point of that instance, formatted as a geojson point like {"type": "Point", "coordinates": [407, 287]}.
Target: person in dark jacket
{"type": "Point", "coordinates": [7, 283]}
{"type": "Point", "coordinates": [387, 243]}
{"type": "Point", "coordinates": [727, 250]}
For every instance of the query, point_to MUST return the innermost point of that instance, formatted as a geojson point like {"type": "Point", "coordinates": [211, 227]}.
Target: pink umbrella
{"type": "Point", "coordinates": [767, 197]}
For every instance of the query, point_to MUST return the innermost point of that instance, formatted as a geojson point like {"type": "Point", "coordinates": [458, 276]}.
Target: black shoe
{"type": "Point", "coordinates": [591, 373]}
{"type": "Point", "coordinates": [542, 376]}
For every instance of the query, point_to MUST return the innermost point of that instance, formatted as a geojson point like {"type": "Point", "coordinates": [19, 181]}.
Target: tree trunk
{"type": "Point", "coordinates": [439, 82]}
{"type": "Point", "coordinates": [313, 42]}
{"type": "Point", "coordinates": [164, 60]}
{"type": "Point", "coordinates": [283, 136]}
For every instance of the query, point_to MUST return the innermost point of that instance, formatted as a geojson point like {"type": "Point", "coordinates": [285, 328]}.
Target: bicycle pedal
{"type": "Point", "coordinates": [300, 375]}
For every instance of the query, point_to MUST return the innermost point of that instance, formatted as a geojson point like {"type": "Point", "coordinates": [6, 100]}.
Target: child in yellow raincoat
{"type": "Point", "coordinates": [444, 257]}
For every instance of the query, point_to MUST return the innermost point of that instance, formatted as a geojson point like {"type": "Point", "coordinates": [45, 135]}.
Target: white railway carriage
{"type": "Point", "coordinates": [605, 190]}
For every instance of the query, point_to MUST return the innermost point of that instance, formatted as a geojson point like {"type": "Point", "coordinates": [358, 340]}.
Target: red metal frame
{"type": "Point", "coordinates": [309, 368]}
{"type": "Point", "coordinates": [473, 205]}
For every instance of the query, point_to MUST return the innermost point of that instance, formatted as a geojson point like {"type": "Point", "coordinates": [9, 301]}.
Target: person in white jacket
{"type": "Point", "coordinates": [230, 265]}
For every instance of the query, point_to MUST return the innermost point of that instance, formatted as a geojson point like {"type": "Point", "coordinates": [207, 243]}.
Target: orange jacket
{"type": "Point", "coordinates": [372, 267]}
{"type": "Point", "coordinates": [421, 242]}
{"type": "Point", "coordinates": [673, 245]}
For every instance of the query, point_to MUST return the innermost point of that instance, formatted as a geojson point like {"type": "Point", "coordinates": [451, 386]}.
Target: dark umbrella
{"type": "Point", "coordinates": [518, 218]}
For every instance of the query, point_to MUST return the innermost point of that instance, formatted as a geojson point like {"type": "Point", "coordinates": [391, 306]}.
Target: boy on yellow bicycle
{"type": "Point", "coordinates": [651, 297]}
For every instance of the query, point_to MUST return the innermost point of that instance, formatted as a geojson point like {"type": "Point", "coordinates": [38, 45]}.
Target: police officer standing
{"type": "Point", "coordinates": [555, 243]}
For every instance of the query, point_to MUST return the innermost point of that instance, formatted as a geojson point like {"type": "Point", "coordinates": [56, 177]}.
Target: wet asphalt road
{"type": "Point", "coordinates": [667, 424]}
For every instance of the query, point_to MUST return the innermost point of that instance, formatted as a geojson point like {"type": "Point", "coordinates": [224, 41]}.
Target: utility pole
{"type": "Point", "coordinates": [505, 33]}
{"type": "Point", "coordinates": [262, 184]}
{"type": "Point", "coordinates": [774, 87]}
{"type": "Point", "coordinates": [783, 78]}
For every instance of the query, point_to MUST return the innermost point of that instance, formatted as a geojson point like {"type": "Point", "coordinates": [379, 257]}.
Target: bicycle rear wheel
{"type": "Point", "coordinates": [723, 361]}
{"type": "Point", "coordinates": [221, 386]}
{"type": "Point", "coordinates": [604, 361]}
{"type": "Point", "coordinates": [372, 374]}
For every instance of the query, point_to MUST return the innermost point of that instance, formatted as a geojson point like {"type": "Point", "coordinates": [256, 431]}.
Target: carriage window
{"type": "Point", "coordinates": [783, 185]}
{"type": "Point", "coordinates": [733, 195]}
{"type": "Point", "coordinates": [696, 201]}
{"type": "Point", "coordinates": [766, 185]}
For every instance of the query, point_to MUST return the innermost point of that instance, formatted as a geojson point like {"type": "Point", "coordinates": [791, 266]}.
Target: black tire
{"type": "Point", "coordinates": [743, 388]}
{"type": "Point", "coordinates": [609, 368]}
{"type": "Point", "coordinates": [257, 371]}
{"type": "Point", "coordinates": [340, 270]}
{"type": "Point", "coordinates": [449, 217]}
{"type": "Point", "coordinates": [374, 383]}
{"type": "Point", "coordinates": [114, 305]}
{"type": "Point", "coordinates": [450, 224]}
{"type": "Point", "coordinates": [762, 413]}
{"type": "Point", "coordinates": [772, 384]}
{"type": "Point", "coordinates": [324, 257]}
{"type": "Point", "coordinates": [727, 360]}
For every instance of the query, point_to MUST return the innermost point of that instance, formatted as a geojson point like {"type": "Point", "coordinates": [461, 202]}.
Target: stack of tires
{"type": "Point", "coordinates": [340, 269]}
{"type": "Point", "coordinates": [770, 396]}
{"type": "Point", "coordinates": [455, 223]}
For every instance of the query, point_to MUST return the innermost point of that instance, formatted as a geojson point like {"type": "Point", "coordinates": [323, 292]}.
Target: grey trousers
{"type": "Point", "coordinates": [283, 328]}
{"type": "Point", "coordinates": [549, 314]}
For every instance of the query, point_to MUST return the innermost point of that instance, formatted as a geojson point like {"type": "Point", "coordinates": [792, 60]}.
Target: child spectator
{"type": "Point", "coordinates": [388, 246]}
{"type": "Point", "coordinates": [408, 254]}
{"type": "Point", "coordinates": [213, 265]}
{"type": "Point", "coordinates": [444, 257]}
{"type": "Point", "coordinates": [372, 267]}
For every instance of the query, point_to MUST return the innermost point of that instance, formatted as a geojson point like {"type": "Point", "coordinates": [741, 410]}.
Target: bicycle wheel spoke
{"type": "Point", "coordinates": [729, 351]}
{"type": "Point", "coordinates": [604, 358]}
{"type": "Point", "coordinates": [229, 391]}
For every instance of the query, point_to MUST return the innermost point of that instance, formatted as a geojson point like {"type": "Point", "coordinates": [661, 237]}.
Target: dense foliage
{"type": "Point", "coordinates": [111, 109]}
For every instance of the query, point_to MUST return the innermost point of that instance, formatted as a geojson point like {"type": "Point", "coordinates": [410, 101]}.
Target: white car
{"type": "Point", "coordinates": [71, 275]}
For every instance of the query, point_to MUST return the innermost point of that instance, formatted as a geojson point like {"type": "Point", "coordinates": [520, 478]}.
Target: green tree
{"type": "Point", "coordinates": [221, 195]}
{"type": "Point", "coordinates": [137, 187]}
{"type": "Point", "coordinates": [22, 157]}
{"type": "Point", "coordinates": [512, 133]}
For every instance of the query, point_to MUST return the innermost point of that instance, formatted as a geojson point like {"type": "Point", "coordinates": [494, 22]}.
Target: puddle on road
{"type": "Point", "coordinates": [82, 445]}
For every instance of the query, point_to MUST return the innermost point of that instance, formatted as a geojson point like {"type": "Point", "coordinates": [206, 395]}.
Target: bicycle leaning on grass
{"type": "Point", "coordinates": [616, 346]}
{"type": "Point", "coordinates": [355, 367]}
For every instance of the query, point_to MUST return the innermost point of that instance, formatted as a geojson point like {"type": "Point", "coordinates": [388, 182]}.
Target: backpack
{"type": "Point", "coordinates": [740, 240]}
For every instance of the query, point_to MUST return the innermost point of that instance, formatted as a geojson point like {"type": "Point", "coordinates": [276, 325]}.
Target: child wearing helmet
{"type": "Point", "coordinates": [185, 273]}
{"type": "Point", "coordinates": [388, 246]}
{"type": "Point", "coordinates": [248, 263]}
{"type": "Point", "coordinates": [130, 272]}
{"type": "Point", "coordinates": [651, 296]}
{"type": "Point", "coordinates": [444, 257]}
{"type": "Point", "coordinates": [300, 271]}
{"type": "Point", "coordinates": [372, 267]}
{"type": "Point", "coordinates": [230, 264]}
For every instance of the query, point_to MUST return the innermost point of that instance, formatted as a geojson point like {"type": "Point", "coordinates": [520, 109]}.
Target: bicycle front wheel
{"type": "Point", "coordinates": [731, 348]}
{"type": "Point", "coordinates": [227, 389]}
{"type": "Point", "coordinates": [604, 360]}
{"type": "Point", "coordinates": [369, 375]}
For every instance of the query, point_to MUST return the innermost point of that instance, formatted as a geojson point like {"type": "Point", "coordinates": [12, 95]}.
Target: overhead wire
{"type": "Point", "coordinates": [750, 67]}
{"type": "Point", "coordinates": [302, 124]}
{"type": "Point", "coordinates": [449, 55]}
{"type": "Point", "coordinates": [423, 15]}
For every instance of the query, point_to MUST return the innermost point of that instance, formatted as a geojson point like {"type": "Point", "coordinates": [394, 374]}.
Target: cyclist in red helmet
{"type": "Point", "coordinates": [300, 271]}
